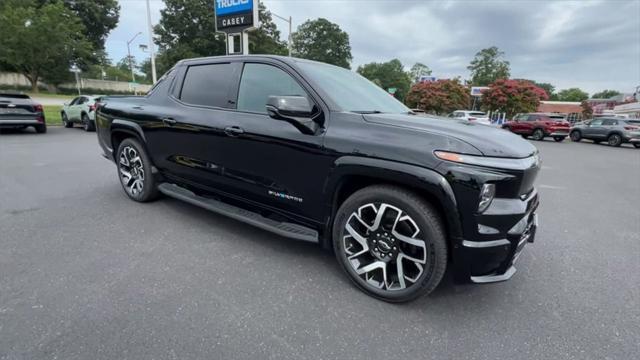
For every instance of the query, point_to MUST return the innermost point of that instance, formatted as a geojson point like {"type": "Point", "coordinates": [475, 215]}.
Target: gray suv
{"type": "Point", "coordinates": [613, 131]}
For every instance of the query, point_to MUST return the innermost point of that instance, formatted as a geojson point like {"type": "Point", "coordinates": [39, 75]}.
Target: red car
{"type": "Point", "coordinates": [539, 126]}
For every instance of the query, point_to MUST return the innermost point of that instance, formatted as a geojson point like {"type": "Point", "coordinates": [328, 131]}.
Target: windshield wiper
{"type": "Point", "coordinates": [366, 111]}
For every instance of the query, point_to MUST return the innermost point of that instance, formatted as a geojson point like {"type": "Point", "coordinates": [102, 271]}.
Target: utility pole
{"type": "Point", "coordinates": [133, 76]}
{"type": "Point", "coordinates": [151, 44]}
{"type": "Point", "coordinates": [289, 37]}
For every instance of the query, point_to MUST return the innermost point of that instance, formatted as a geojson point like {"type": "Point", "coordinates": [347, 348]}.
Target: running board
{"type": "Point", "coordinates": [285, 229]}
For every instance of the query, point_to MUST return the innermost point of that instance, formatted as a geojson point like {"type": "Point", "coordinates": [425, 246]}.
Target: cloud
{"type": "Point", "coordinates": [590, 44]}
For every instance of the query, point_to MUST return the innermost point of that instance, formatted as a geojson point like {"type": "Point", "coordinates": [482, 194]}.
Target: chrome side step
{"type": "Point", "coordinates": [285, 229]}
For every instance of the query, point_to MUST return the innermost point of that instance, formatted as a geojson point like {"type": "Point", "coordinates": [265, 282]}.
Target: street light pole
{"type": "Point", "coordinates": [289, 37]}
{"type": "Point", "coordinates": [133, 77]}
{"type": "Point", "coordinates": [151, 45]}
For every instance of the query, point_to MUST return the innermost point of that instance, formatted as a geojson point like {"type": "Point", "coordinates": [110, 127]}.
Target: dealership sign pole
{"type": "Point", "coordinates": [235, 18]}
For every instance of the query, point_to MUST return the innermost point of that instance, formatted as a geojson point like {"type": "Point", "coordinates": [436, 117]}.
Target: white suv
{"type": "Point", "coordinates": [81, 110]}
{"type": "Point", "coordinates": [475, 116]}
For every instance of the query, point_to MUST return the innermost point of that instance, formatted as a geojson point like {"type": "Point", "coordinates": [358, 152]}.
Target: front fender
{"type": "Point", "coordinates": [423, 179]}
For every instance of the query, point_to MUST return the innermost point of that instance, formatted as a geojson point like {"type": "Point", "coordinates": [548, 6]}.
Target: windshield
{"type": "Point", "coordinates": [477, 114]}
{"type": "Point", "coordinates": [350, 91]}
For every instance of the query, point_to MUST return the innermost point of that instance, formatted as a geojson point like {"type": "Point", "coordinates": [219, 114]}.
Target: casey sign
{"type": "Point", "coordinates": [234, 16]}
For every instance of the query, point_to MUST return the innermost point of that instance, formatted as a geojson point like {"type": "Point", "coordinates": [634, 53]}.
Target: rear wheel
{"type": "Point", "coordinates": [65, 121]}
{"type": "Point", "coordinates": [538, 134]}
{"type": "Point", "coordinates": [134, 171]}
{"type": "Point", "coordinates": [41, 129]}
{"type": "Point", "coordinates": [558, 138]}
{"type": "Point", "coordinates": [575, 136]}
{"type": "Point", "coordinates": [87, 125]}
{"type": "Point", "coordinates": [390, 242]}
{"type": "Point", "coordinates": [614, 140]}
{"type": "Point", "coordinates": [636, 145]}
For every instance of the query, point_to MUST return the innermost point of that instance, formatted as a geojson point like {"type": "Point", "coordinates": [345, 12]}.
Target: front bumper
{"type": "Point", "coordinates": [503, 233]}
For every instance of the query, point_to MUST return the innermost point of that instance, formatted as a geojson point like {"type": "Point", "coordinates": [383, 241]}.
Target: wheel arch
{"type": "Point", "coordinates": [122, 129]}
{"type": "Point", "coordinates": [351, 174]}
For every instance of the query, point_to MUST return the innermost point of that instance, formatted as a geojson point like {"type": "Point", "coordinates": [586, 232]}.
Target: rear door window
{"type": "Point", "coordinates": [207, 85]}
{"type": "Point", "coordinates": [609, 122]}
{"type": "Point", "coordinates": [259, 81]}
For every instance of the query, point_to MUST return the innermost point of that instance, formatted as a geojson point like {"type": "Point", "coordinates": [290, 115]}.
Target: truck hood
{"type": "Point", "coordinates": [489, 140]}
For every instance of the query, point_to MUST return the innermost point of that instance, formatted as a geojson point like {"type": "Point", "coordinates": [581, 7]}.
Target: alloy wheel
{"type": "Point", "coordinates": [131, 170]}
{"type": "Point", "coordinates": [538, 134]}
{"type": "Point", "coordinates": [614, 140]}
{"type": "Point", "coordinates": [382, 245]}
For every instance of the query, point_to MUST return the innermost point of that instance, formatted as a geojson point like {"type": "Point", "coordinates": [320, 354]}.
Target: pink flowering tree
{"type": "Point", "coordinates": [439, 97]}
{"type": "Point", "coordinates": [512, 96]}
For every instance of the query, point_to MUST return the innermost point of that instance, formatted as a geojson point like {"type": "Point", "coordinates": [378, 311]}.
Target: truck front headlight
{"type": "Point", "coordinates": [487, 193]}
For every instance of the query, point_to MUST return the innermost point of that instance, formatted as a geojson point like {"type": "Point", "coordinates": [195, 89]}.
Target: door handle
{"type": "Point", "coordinates": [233, 130]}
{"type": "Point", "coordinates": [169, 121]}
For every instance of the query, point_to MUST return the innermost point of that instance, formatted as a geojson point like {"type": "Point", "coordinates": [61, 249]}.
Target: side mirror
{"type": "Point", "coordinates": [295, 110]}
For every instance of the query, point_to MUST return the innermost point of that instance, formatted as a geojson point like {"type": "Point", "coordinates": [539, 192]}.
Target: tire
{"type": "Point", "coordinates": [558, 138]}
{"type": "Point", "coordinates": [538, 134]}
{"type": "Point", "coordinates": [87, 125]}
{"type": "Point", "coordinates": [134, 171]}
{"type": "Point", "coordinates": [41, 129]}
{"type": "Point", "coordinates": [597, 141]}
{"type": "Point", "coordinates": [421, 234]}
{"type": "Point", "coordinates": [575, 136]}
{"type": "Point", "coordinates": [66, 122]}
{"type": "Point", "coordinates": [614, 140]}
{"type": "Point", "coordinates": [636, 145]}
{"type": "Point", "coordinates": [525, 136]}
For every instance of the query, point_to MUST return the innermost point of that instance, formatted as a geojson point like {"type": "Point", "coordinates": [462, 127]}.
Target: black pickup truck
{"type": "Point", "coordinates": [317, 153]}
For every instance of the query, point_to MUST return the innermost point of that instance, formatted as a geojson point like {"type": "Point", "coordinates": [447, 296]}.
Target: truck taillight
{"type": "Point", "coordinates": [471, 118]}
{"type": "Point", "coordinates": [92, 107]}
{"type": "Point", "coordinates": [38, 108]}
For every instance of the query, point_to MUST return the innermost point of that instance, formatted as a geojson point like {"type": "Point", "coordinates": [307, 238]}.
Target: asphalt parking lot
{"type": "Point", "coordinates": [87, 273]}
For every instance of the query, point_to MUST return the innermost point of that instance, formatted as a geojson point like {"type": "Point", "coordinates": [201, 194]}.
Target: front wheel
{"type": "Point", "coordinates": [575, 136]}
{"type": "Point", "coordinates": [614, 140]}
{"type": "Point", "coordinates": [390, 242]}
{"type": "Point", "coordinates": [538, 134]}
{"type": "Point", "coordinates": [134, 171]}
{"type": "Point", "coordinates": [558, 138]}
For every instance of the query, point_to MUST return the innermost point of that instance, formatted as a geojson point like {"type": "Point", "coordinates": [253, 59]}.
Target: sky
{"type": "Point", "coordinates": [593, 45]}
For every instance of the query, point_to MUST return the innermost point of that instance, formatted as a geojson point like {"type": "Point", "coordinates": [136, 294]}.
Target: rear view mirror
{"type": "Point", "coordinates": [296, 110]}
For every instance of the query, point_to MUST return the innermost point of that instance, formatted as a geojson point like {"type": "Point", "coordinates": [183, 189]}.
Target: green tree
{"type": "Point", "coordinates": [439, 97]}
{"type": "Point", "coordinates": [418, 70]}
{"type": "Point", "coordinates": [126, 63]}
{"type": "Point", "coordinates": [547, 87]}
{"type": "Point", "coordinates": [572, 94]}
{"type": "Point", "coordinates": [605, 94]}
{"type": "Point", "coordinates": [512, 96]}
{"type": "Point", "coordinates": [41, 43]}
{"type": "Point", "coordinates": [322, 40]}
{"type": "Point", "coordinates": [99, 17]}
{"type": "Point", "coordinates": [266, 38]}
{"type": "Point", "coordinates": [187, 29]}
{"type": "Point", "coordinates": [488, 66]}
{"type": "Point", "coordinates": [387, 75]}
